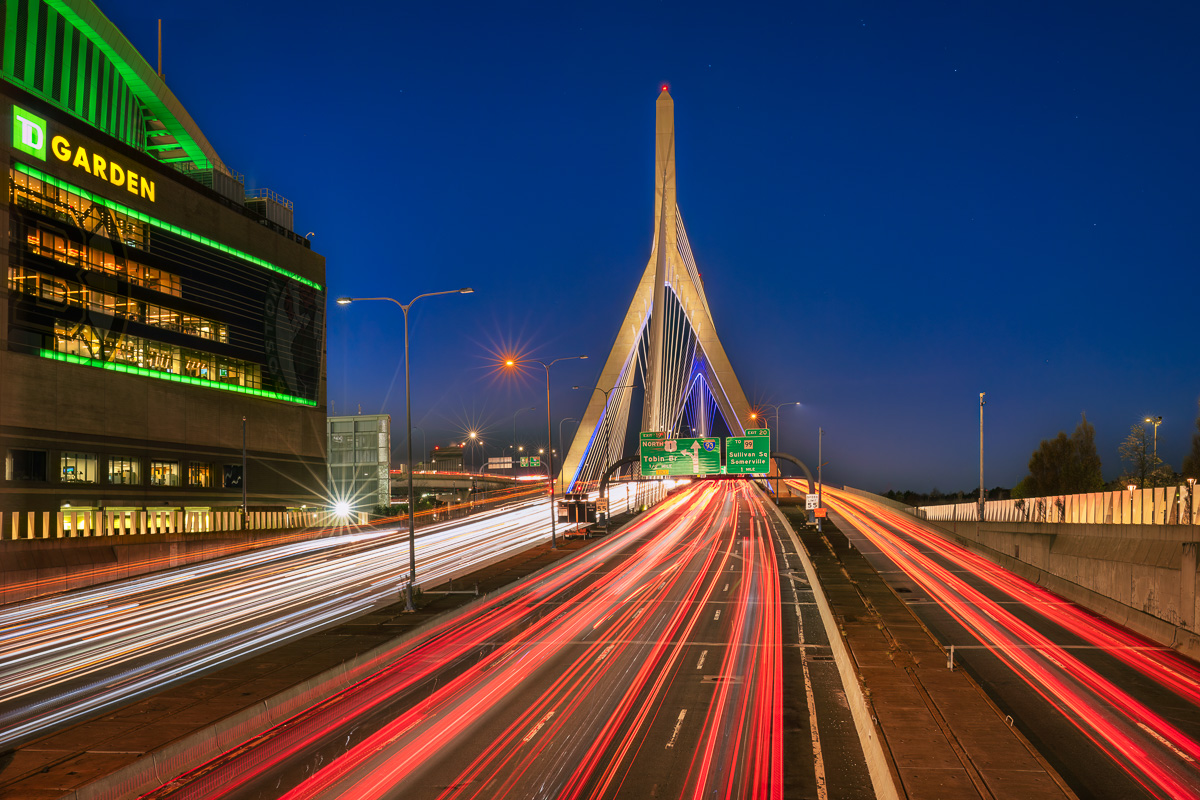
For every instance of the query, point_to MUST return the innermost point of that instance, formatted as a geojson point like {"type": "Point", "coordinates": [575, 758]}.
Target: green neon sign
{"type": "Point", "coordinates": [29, 133]}
{"type": "Point", "coordinates": [166, 226]}
{"type": "Point", "coordinates": [129, 369]}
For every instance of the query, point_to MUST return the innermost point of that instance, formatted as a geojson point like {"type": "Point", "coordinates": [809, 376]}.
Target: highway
{"type": "Point", "coordinates": [70, 657]}
{"type": "Point", "coordinates": [1117, 715]}
{"type": "Point", "coordinates": [648, 665]}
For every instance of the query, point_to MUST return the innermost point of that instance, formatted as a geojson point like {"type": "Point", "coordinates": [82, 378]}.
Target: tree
{"type": "Point", "coordinates": [1064, 465]}
{"type": "Point", "coordinates": [1145, 467]}
{"type": "Point", "coordinates": [1086, 473]}
{"type": "Point", "coordinates": [1191, 462]}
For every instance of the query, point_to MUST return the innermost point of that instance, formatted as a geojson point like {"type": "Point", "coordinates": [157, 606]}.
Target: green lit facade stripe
{"type": "Point", "coordinates": [171, 376]}
{"type": "Point", "coordinates": [175, 229]}
{"type": "Point", "coordinates": [31, 41]}
{"type": "Point", "coordinates": [51, 53]}
{"type": "Point", "coordinates": [10, 24]}
{"type": "Point", "coordinates": [144, 92]}
{"type": "Point", "coordinates": [45, 53]}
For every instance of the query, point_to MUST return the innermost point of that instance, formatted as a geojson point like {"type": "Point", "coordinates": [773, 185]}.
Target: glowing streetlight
{"type": "Point", "coordinates": [412, 524]}
{"type": "Point", "coordinates": [512, 362]}
{"type": "Point", "coordinates": [778, 431]}
{"type": "Point", "coordinates": [1155, 421]}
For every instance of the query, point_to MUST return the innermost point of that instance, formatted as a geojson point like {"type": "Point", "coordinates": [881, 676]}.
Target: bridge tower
{"type": "Point", "coordinates": [667, 339]}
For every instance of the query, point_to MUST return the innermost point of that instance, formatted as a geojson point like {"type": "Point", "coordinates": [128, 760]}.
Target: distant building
{"type": "Point", "coordinates": [151, 303]}
{"type": "Point", "coordinates": [360, 457]}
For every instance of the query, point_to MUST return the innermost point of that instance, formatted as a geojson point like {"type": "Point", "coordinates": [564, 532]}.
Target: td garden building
{"type": "Point", "coordinates": [151, 303]}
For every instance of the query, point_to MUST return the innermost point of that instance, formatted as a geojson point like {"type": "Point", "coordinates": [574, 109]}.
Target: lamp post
{"type": "Point", "coordinates": [549, 432]}
{"type": "Point", "coordinates": [981, 494]}
{"type": "Point", "coordinates": [820, 479]}
{"type": "Point", "coordinates": [778, 433]}
{"type": "Point", "coordinates": [474, 439]}
{"type": "Point", "coordinates": [560, 444]}
{"type": "Point", "coordinates": [607, 424]}
{"type": "Point", "coordinates": [1155, 421]}
{"type": "Point", "coordinates": [1191, 482]}
{"type": "Point", "coordinates": [245, 506]}
{"type": "Point", "coordinates": [412, 524]}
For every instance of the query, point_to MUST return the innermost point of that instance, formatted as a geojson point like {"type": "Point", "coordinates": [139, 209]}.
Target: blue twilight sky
{"type": "Point", "coordinates": [895, 206]}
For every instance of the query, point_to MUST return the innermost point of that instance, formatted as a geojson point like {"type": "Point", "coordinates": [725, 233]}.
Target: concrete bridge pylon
{"type": "Point", "coordinates": [667, 342]}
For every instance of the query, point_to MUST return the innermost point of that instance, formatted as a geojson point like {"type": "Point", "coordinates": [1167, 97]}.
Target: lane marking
{"type": "Point", "coordinates": [678, 724]}
{"type": "Point", "coordinates": [703, 655]}
{"type": "Point", "coordinates": [717, 616]}
{"type": "Point", "coordinates": [604, 655]}
{"type": "Point", "coordinates": [538, 727]}
{"type": "Point", "coordinates": [726, 589]}
{"type": "Point", "coordinates": [1167, 744]}
{"type": "Point", "coordinates": [818, 757]}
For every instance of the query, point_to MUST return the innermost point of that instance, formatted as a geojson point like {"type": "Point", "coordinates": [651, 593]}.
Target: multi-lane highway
{"type": "Point", "coordinates": [649, 665]}
{"type": "Point", "coordinates": [69, 657]}
{"type": "Point", "coordinates": [1117, 715]}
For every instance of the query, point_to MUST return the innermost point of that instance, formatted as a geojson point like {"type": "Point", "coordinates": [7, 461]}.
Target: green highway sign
{"type": "Point", "coordinates": [662, 456]}
{"type": "Point", "coordinates": [535, 461]}
{"type": "Point", "coordinates": [749, 454]}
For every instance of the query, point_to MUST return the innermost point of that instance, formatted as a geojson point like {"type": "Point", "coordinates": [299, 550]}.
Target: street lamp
{"type": "Point", "coordinates": [412, 524]}
{"type": "Point", "coordinates": [1155, 421]}
{"type": "Point", "coordinates": [474, 440]}
{"type": "Point", "coordinates": [607, 430]}
{"type": "Point", "coordinates": [778, 433]}
{"type": "Point", "coordinates": [549, 432]}
{"type": "Point", "coordinates": [982, 496]}
{"type": "Point", "coordinates": [1191, 482]}
{"type": "Point", "coordinates": [560, 443]}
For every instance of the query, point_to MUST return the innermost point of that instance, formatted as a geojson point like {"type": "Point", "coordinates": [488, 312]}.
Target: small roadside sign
{"type": "Point", "coordinates": [810, 502]}
{"type": "Point", "coordinates": [820, 512]}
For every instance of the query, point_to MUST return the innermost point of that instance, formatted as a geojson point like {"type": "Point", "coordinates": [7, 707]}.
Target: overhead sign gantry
{"type": "Point", "coordinates": [664, 456]}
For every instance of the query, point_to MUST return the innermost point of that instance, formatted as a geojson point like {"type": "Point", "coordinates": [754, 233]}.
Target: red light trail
{"type": "Point", "coordinates": [582, 684]}
{"type": "Point", "coordinates": [1154, 752]}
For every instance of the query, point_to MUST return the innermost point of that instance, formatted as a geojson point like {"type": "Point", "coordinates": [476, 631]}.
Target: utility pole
{"type": "Point", "coordinates": [820, 480]}
{"type": "Point", "coordinates": [981, 494]}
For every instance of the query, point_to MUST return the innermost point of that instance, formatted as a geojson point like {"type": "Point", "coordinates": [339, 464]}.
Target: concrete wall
{"type": "Point", "coordinates": [1137, 573]}
{"type": "Point", "coordinates": [1141, 576]}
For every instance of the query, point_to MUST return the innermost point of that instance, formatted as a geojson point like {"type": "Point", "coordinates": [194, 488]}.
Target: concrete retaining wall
{"type": "Point", "coordinates": [1141, 576]}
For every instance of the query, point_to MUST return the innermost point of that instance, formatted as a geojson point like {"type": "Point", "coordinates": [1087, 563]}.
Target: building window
{"type": "Point", "coordinates": [164, 473]}
{"type": "Point", "coordinates": [78, 467]}
{"type": "Point", "coordinates": [199, 474]}
{"type": "Point", "coordinates": [82, 340]}
{"type": "Point", "coordinates": [232, 476]}
{"type": "Point", "coordinates": [124, 470]}
{"type": "Point", "coordinates": [25, 465]}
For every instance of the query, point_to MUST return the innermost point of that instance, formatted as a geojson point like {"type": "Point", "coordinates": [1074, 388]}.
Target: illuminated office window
{"type": "Point", "coordinates": [199, 474]}
{"type": "Point", "coordinates": [77, 467]}
{"type": "Point", "coordinates": [164, 473]}
{"type": "Point", "coordinates": [124, 470]}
